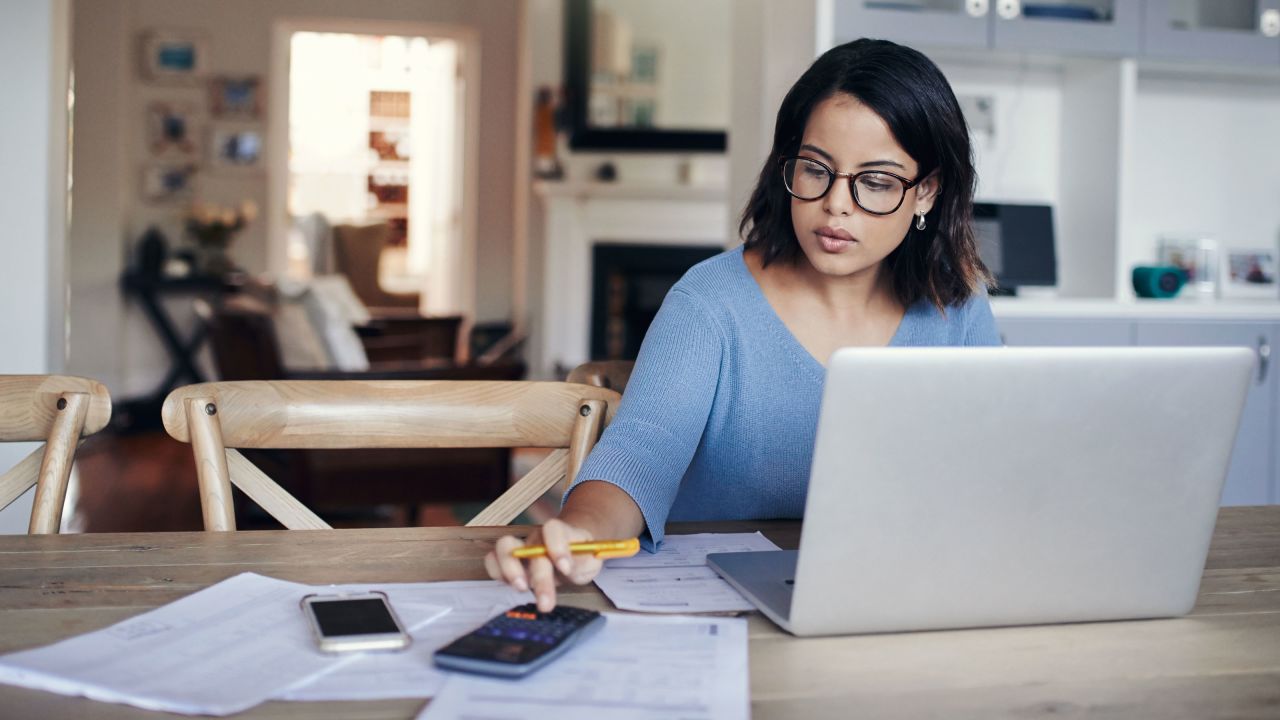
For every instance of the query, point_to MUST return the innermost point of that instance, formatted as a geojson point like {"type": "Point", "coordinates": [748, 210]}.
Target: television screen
{"type": "Point", "coordinates": [1016, 242]}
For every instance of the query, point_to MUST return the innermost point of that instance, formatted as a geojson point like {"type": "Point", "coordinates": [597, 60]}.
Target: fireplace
{"type": "Point", "coordinates": [628, 283]}
{"type": "Point", "coordinates": [674, 225]}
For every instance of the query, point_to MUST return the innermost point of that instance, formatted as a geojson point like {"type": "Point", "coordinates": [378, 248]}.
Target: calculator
{"type": "Point", "coordinates": [519, 641]}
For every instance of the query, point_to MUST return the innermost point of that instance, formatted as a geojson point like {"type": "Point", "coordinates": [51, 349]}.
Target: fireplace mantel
{"type": "Point", "coordinates": [578, 215]}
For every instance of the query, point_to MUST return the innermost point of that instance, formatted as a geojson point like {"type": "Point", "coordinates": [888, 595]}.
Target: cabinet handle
{"type": "Point", "coordinates": [1009, 9]}
{"type": "Point", "coordinates": [976, 8]}
{"type": "Point", "coordinates": [1269, 22]}
{"type": "Point", "coordinates": [1264, 358]}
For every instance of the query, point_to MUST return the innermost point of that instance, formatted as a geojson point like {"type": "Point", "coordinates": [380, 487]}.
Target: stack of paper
{"type": "Point", "coordinates": [635, 668]}
{"type": "Point", "coordinates": [412, 673]}
{"type": "Point", "coordinates": [676, 579]}
{"type": "Point", "coordinates": [243, 641]}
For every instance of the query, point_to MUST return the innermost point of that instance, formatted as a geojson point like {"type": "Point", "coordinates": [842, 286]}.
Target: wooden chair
{"type": "Point", "coordinates": [60, 410]}
{"type": "Point", "coordinates": [611, 374]}
{"type": "Point", "coordinates": [217, 418]}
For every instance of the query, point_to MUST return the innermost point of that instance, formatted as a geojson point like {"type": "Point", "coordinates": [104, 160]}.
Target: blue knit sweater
{"type": "Point", "coordinates": [719, 416]}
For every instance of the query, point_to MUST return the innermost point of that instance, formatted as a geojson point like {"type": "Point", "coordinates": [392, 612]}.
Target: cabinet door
{"type": "Point", "coordinates": [1062, 332]}
{"type": "Point", "coordinates": [935, 23]}
{"type": "Point", "coordinates": [1092, 27]}
{"type": "Point", "coordinates": [1245, 32]}
{"type": "Point", "coordinates": [1250, 479]}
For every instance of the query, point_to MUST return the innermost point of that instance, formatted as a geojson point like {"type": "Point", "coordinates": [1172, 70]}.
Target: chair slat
{"type": "Point", "coordinates": [19, 478]}
{"type": "Point", "coordinates": [271, 497]}
{"type": "Point", "coordinates": [524, 492]}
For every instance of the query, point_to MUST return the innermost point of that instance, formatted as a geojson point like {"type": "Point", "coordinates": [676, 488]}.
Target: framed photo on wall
{"type": "Point", "coordinates": [173, 129]}
{"type": "Point", "coordinates": [168, 183]}
{"type": "Point", "coordinates": [236, 97]}
{"type": "Point", "coordinates": [174, 56]}
{"type": "Point", "coordinates": [1250, 273]}
{"type": "Point", "coordinates": [235, 147]}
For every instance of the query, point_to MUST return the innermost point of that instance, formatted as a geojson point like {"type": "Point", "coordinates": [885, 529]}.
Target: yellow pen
{"type": "Point", "coordinates": [603, 549]}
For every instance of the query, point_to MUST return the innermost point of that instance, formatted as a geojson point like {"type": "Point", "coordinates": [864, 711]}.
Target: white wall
{"type": "Point", "coordinates": [111, 340]}
{"type": "Point", "coordinates": [33, 60]}
{"type": "Point", "coordinates": [1206, 161]}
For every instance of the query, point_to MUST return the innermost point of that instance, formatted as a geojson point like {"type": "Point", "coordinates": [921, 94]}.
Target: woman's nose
{"type": "Point", "coordinates": [839, 199]}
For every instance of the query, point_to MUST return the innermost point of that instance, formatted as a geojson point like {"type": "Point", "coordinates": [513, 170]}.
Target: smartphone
{"type": "Point", "coordinates": [346, 623]}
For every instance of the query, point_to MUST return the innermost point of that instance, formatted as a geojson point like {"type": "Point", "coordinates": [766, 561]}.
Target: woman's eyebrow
{"type": "Point", "coordinates": [831, 159]}
{"type": "Point", "coordinates": [882, 163]}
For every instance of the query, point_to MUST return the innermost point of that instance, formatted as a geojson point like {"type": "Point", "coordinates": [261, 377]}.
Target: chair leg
{"type": "Point", "coordinates": [55, 469]}
{"type": "Point", "coordinates": [211, 464]}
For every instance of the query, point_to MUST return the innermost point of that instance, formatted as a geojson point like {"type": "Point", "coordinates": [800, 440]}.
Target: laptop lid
{"type": "Point", "coordinates": [963, 487]}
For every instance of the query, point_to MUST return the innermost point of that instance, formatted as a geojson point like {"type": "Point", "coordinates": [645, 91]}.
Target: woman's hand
{"type": "Point", "coordinates": [542, 573]}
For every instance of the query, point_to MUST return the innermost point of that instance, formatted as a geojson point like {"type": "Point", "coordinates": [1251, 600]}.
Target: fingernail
{"type": "Point", "coordinates": [563, 564]}
{"type": "Point", "coordinates": [521, 585]}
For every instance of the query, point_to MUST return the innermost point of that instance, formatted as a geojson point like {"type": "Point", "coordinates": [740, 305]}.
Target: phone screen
{"type": "Point", "coordinates": [366, 616]}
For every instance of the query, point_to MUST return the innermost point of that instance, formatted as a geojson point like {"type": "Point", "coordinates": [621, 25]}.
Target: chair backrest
{"type": "Point", "coordinates": [357, 251]}
{"type": "Point", "coordinates": [612, 374]}
{"type": "Point", "coordinates": [60, 410]}
{"type": "Point", "coordinates": [216, 418]}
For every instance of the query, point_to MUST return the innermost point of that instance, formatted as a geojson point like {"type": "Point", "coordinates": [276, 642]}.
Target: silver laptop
{"type": "Point", "coordinates": [965, 487]}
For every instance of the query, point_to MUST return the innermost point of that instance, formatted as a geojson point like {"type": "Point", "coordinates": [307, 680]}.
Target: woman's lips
{"type": "Point", "coordinates": [834, 239]}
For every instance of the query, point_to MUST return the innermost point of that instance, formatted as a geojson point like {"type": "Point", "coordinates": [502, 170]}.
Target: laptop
{"type": "Point", "coordinates": [972, 487]}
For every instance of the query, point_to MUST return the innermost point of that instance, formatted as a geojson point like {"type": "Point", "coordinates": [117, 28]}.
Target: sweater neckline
{"type": "Point", "coordinates": [771, 318]}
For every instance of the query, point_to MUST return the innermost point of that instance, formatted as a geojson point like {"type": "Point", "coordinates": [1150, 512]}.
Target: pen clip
{"type": "Point", "coordinates": [624, 549]}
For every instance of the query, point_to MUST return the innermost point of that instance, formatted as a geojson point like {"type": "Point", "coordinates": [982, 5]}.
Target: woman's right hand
{"type": "Point", "coordinates": [541, 574]}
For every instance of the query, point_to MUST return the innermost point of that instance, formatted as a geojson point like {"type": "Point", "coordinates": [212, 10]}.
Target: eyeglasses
{"type": "Point", "coordinates": [876, 191]}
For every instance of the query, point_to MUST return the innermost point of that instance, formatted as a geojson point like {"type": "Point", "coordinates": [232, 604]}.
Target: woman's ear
{"type": "Point", "coordinates": [927, 193]}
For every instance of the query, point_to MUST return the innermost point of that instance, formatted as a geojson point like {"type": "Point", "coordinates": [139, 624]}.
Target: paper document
{"type": "Point", "coordinates": [635, 668]}
{"type": "Point", "coordinates": [412, 673]}
{"type": "Point", "coordinates": [219, 651]}
{"type": "Point", "coordinates": [676, 579]}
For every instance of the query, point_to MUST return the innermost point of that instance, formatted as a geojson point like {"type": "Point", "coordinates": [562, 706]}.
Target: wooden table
{"type": "Point", "coordinates": [1221, 661]}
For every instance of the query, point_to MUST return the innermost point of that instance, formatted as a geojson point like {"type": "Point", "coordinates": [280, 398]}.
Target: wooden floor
{"type": "Point", "coordinates": [146, 482]}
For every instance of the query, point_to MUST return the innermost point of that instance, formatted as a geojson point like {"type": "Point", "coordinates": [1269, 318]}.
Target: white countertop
{"type": "Point", "coordinates": [619, 190]}
{"type": "Point", "coordinates": [1005, 307]}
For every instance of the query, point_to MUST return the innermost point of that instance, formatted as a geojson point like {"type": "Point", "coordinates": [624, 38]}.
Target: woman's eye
{"type": "Point", "coordinates": [876, 184]}
{"type": "Point", "coordinates": [814, 171]}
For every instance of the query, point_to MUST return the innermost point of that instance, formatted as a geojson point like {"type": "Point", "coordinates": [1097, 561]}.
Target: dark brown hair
{"type": "Point", "coordinates": [911, 95]}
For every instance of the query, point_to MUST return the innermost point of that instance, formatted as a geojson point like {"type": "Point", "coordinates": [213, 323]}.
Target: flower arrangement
{"type": "Point", "coordinates": [213, 227]}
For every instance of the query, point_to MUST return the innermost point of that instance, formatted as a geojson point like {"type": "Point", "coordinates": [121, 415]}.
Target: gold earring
{"type": "Point", "coordinates": [920, 221]}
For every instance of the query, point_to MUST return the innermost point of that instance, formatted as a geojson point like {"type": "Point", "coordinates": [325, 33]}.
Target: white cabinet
{"type": "Point", "coordinates": [1254, 475]}
{"type": "Point", "coordinates": [1241, 32]}
{"type": "Point", "coordinates": [1065, 332]}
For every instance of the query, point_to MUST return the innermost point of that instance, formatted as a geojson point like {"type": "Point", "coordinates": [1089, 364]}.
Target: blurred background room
{"type": "Point", "coordinates": [506, 189]}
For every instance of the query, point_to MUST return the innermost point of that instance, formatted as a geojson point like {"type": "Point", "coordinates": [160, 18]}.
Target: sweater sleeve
{"type": "Point", "coordinates": [647, 448]}
{"type": "Point", "coordinates": [980, 324]}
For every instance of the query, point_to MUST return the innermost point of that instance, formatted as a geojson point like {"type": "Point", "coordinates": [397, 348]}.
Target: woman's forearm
{"type": "Point", "coordinates": [604, 510]}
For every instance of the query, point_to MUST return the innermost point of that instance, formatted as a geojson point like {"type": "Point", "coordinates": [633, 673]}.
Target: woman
{"type": "Point", "coordinates": [859, 232]}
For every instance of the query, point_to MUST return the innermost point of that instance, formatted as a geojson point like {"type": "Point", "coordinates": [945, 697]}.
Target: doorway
{"type": "Point", "coordinates": [373, 131]}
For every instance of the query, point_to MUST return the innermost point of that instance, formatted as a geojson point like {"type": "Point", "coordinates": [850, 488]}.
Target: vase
{"type": "Point", "coordinates": [214, 261]}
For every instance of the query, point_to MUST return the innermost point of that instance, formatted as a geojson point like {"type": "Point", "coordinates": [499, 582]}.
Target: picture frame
{"type": "Point", "coordinates": [1250, 273]}
{"type": "Point", "coordinates": [168, 183]}
{"type": "Point", "coordinates": [1198, 258]}
{"type": "Point", "coordinates": [236, 147]}
{"type": "Point", "coordinates": [235, 97]}
{"type": "Point", "coordinates": [174, 56]}
{"type": "Point", "coordinates": [173, 129]}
